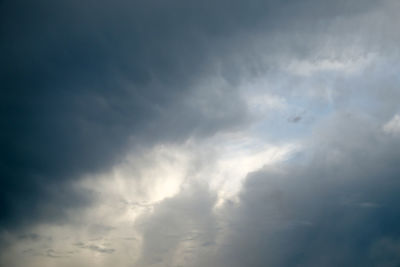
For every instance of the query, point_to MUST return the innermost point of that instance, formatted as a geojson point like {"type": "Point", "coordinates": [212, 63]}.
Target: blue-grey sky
{"type": "Point", "coordinates": [190, 133]}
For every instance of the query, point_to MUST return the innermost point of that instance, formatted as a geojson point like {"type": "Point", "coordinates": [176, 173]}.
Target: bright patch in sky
{"type": "Point", "coordinates": [393, 126]}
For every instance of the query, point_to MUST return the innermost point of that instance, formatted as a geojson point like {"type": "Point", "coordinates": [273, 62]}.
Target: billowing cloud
{"type": "Point", "coordinates": [335, 207]}
{"type": "Point", "coordinates": [199, 133]}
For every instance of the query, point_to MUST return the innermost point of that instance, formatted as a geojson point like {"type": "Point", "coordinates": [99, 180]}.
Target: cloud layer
{"type": "Point", "coordinates": [199, 133]}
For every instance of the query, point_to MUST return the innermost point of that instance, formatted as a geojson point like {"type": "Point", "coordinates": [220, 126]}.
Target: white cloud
{"type": "Point", "coordinates": [393, 126]}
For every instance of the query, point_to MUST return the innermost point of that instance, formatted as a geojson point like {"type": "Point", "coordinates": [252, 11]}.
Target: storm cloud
{"type": "Point", "coordinates": [82, 79]}
{"type": "Point", "coordinates": [335, 207]}
{"type": "Point", "coordinates": [199, 133]}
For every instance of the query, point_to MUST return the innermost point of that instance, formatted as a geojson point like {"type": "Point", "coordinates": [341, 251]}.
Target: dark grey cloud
{"type": "Point", "coordinates": [295, 119]}
{"type": "Point", "coordinates": [95, 248]}
{"type": "Point", "coordinates": [332, 210]}
{"type": "Point", "coordinates": [80, 79]}
{"type": "Point", "coordinates": [83, 82]}
{"type": "Point", "coordinates": [335, 209]}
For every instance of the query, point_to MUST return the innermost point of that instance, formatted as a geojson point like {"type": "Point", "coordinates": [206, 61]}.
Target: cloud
{"type": "Point", "coordinates": [180, 229]}
{"type": "Point", "coordinates": [125, 125]}
{"type": "Point", "coordinates": [330, 210]}
{"type": "Point", "coordinates": [393, 126]}
{"type": "Point", "coordinates": [83, 82]}
{"type": "Point", "coordinates": [295, 119]}
{"type": "Point", "coordinates": [95, 248]}
{"type": "Point", "coordinates": [334, 207]}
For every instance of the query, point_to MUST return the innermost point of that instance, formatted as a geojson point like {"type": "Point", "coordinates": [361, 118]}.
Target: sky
{"type": "Point", "coordinates": [187, 133]}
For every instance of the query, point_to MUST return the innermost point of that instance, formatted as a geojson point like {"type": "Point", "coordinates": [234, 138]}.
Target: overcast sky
{"type": "Point", "coordinates": [185, 133]}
